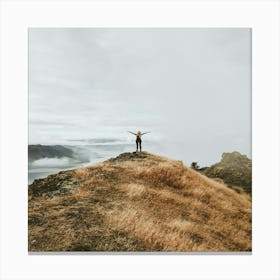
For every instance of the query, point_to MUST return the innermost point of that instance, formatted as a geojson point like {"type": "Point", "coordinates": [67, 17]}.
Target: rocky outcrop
{"type": "Point", "coordinates": [234, 169]}
{"type": "Point", "coordinates": [56, 184]}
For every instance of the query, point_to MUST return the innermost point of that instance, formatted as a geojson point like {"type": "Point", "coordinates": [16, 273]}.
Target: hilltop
{"type": "Point", "coordinates": [136, 202]}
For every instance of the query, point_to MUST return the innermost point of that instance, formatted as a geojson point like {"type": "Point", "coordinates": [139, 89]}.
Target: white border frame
{"type": "Point", "coordinates": [262, 16]}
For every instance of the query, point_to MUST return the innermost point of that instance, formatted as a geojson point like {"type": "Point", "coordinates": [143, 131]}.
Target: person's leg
{"type": "Point", "coordinates": [140, 142]}
{"type": "Point", "coordinates": [136, 146]}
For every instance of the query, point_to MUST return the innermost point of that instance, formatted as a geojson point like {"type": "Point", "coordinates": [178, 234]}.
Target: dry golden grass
{"type": "Point", "coordinates": [140, 203]}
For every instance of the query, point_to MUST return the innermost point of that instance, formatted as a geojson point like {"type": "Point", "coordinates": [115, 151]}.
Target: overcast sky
{"type": "Point", "coordinates": [190, 86]}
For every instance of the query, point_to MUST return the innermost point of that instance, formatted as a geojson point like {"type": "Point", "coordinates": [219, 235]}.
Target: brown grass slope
{"type": "Point", "coordinates": [136, 202]}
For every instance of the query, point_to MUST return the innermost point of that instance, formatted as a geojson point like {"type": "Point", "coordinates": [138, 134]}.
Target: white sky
{"type": "Point", "coordinates": [190, 86]}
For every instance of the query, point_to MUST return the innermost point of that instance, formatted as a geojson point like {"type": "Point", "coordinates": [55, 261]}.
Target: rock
{"type": "Point", "coordinates": [234, 169]}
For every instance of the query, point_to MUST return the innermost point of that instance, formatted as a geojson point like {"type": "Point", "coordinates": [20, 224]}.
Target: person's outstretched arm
{"type": "Point", "coordinates": [145, 132]}
{"type": "Point", "coordinates": [132, 132]}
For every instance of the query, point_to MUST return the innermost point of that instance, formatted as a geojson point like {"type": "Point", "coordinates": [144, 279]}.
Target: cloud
{"type": "Point", "coordinates": [190, 85]}
{"type": "Point", "coordinates": [53, 162]}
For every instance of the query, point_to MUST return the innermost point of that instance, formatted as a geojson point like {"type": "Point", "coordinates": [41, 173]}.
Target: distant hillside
{"type": "Point", "coordinates": [36, 152]}
{"type": "Point", "coordinates": [234, 169]}
{"type": "Point", "coordinates": [136, 202]}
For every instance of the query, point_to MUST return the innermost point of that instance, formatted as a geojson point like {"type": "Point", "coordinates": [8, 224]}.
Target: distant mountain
{"type": "Point", "coordinates": [36, 152]}
{"type": "Point", "coordinates": [234, 169]}
{"type": "Point", "coordinates": [137, 202]}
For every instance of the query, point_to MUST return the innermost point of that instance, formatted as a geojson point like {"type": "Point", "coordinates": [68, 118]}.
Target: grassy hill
{"type": "Point", "coordinates": [137, 202]}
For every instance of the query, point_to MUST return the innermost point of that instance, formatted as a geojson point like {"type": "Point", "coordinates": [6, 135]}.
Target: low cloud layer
{"type": "Point", "coordinates": [190, 87]}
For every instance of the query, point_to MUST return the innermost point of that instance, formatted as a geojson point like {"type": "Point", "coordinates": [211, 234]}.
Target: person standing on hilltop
{"type": "Point", "coordinates": [139, 134]}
